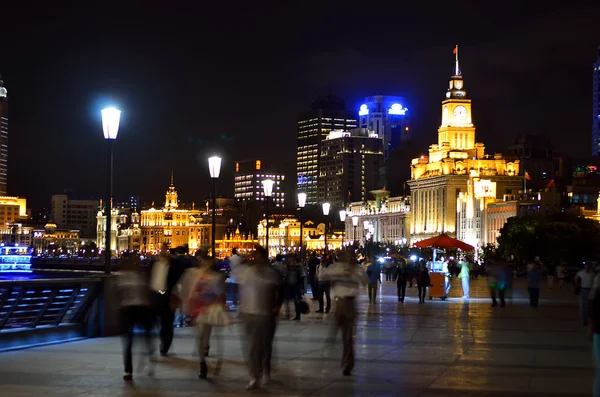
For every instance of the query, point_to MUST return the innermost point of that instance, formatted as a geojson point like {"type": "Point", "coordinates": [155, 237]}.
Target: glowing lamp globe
{"type": "Point", "coordinates": [110, 123]}
{"type": "Point", "coordinates": [214, 166]}
{"type": "Point", "coordinates": [301, 200]}
{"type": "Point", "coordinates": [355, 221]}
{"type": "Point", "coordinates": [268, 187]}
{"type": "Point", "coordinates": [343, 215]}
{"type": "Point", "coordinates": [326, 207]}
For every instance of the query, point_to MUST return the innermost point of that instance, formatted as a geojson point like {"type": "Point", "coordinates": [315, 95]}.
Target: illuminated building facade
{"type": "Point", "coordinates": [68, 213]}
{"type": "Point", "coordinates": [386, 116]}
{"type": "Point", "coordinates": [438, 179]}
{"type": "Point", "coordinates": [596, 107]}
{"type": "Point", "coordinates": [13, 209]}
{"type": "Point", "coordinates": [16, 234]}
{"type": "Point", "coordinates": [243, 242]}
{"type": "Point", "coordinates": [387, 219]}
{"type": "Point", "coordinates": [348, 166]}
{"type": "Point", "coordinates": [471, 210]}
{"type": "Point", "coordinates": [327, 114]}
{"type": "Point", "coordinates": [284, 237]}
{"type": "Point", "coordinates": [173, 226]}
{"type": "Point", "coordinates": [3, 139]}
{"type": "Point", "coordinates": [248, 187]}
{"type": "Point", "coordinates": [52, 239]}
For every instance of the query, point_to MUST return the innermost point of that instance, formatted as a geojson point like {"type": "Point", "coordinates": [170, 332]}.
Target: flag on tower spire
{"type": "Point", "coordinates": [457, 68]}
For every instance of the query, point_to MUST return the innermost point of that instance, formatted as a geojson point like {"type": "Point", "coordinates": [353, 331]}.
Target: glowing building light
{"type": "Point", "coordinates": [364, 110]}
{"type": "Point", "coordinates": [396, 108]}
{"type": "Point", "coordinates": [258, 165]}
{"type": "Point", "coordinates": [237, 167]}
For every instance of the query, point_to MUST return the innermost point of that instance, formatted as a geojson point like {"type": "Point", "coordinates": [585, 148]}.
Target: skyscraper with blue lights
{"type": "Point", "coordinates": [387, 116]}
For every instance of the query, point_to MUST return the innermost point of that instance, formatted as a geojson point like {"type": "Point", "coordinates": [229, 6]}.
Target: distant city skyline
{"type": "Point", "coordinates": [234, 98]}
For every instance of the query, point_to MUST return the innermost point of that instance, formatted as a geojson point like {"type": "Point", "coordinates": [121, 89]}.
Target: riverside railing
{"type": "Point", "coordinates": [28, 304]}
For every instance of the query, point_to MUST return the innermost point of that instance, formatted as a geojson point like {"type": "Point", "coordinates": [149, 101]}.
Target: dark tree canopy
{"type": "Point", "coordinates": [560, 236]}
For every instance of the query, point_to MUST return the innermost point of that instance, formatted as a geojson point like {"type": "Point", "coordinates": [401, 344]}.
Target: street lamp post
{"type": "Point", "coordinates": [301, 204]}
{"type": "Point", "coordinates": [214, 167]}
{"type": "Point", "coordinates": [110, 126]}
{"type": "Point", "coordinates": [355, 224]}
{"type": "Point", "coordinates": [326, 207]}
{"type": "Point", "coordinates": [343, 219]}
{"type": "Point", "coordinates": [268, 191]}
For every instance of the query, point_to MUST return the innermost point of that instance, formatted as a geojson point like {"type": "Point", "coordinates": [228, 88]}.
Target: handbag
{"type": "Point", "coordinates": [214, 315]}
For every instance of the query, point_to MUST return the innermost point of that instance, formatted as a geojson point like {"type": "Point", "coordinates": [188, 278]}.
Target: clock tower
{"type": "Point", "coordinates": [457, 128]}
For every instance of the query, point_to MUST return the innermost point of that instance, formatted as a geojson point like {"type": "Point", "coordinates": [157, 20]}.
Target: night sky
{"type": "Point", "coordinates": [231, 80]}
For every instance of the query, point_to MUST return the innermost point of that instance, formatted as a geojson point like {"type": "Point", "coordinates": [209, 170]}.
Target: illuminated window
{"type": "Point", "coordinates": [237, 167]}
{"type": "Point", "coordinates": [258, 165]}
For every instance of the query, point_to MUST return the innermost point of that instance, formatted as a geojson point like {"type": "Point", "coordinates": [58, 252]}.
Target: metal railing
{"type": "Point", "coordinates": [49, 302]}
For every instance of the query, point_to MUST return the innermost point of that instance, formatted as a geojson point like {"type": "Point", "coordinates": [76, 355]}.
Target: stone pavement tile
{"type": "Point", "coordinates": [484, 356]}
{"type": "Point", "coordinates": [482, 380]}
{"type": "Point", "coordinates": [550, 385]}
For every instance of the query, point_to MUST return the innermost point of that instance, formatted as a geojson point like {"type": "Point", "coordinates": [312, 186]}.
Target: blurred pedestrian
{"type": "Point", "coordinates": [534, 277]}
{"type": "Point", "coordinates": [135, 309]}
{"type": "Point", "coordinates": [234, 262]}
{"type": "Point", "coordinates": [293, 285]}
{"type": "Point", "coordinates": [313, 264]}
{"type": "Point", "coordinates": [594, 330]}
{"type": "Point", "coordinates": [373, 272]}
{"type": "Point", "coordinates": [584, 281]}
{"type": "Point", "coordinates": [464, 277]}
{"type": "Point", "coordinates": [423, 282]}
{"type": "Point", "coordinates": [261, 296]}
{"type": "Point", "coordinates": [324, 288]}
{"type": "Point", "coordinates": [560, 274]}
{"type": "Point", "coordinates": [346, 279]}
{"type": "Point", "coordinates": [402, 279]}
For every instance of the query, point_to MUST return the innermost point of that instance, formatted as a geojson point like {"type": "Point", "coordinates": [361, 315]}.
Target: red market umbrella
{"type": "Point", "coordinates": [443, 241]}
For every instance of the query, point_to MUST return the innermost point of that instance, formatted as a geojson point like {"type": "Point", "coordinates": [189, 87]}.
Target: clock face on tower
{"type": "Point", "coordinates": [460, 112]}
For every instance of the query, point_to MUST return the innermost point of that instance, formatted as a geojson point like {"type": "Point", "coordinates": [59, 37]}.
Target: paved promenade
{"type": "Point", "coordinates": [450, 348]}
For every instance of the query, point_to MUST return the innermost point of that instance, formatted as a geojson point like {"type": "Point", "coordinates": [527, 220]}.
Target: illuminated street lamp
{"type": "Point", "coordinates": [343, 219]}
{"type": "Point", "coordinates": [110, 126]}
{"type": "Point", "coordinates": [355, 224]}
{"type": "Point", "coordinates": [326, 207]}
{"type": "Point", "coordinates": [214, 167]}
{"type": "Point", "coordinates": [268, 191]}
{"type": "Point", "coordinates": [301, 204]}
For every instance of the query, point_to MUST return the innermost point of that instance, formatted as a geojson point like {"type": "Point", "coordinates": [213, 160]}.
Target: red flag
{"type": "Point", "coordinates": [527, 176]}
{"type": "Point", "coordinates": [454, 51]}
{"type": "Point", "coordinates": [551, 184]}
{"type": "Point", "coordinates": [349, 193]}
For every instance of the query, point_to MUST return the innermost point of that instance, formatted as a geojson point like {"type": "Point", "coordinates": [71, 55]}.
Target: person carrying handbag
{"type": "Point", "coordinates": [204, 290]}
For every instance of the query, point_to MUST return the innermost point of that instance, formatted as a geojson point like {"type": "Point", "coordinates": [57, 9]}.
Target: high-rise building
{"type": "Point", "coordinates": [438, 179]}
{"type": "Point", "coordinates": [249, 175]}
{"type": "Point", "coordinates": [327, 114]}
{"type": "Point", "coordinates": [596, 107]}
{"type": "Point", "coordinates": [348, 166]}
{"type": "Point", "coordinates": [3, 139]}
{"type": "Point", "coordinates": [387, 116]}
{"type": "Point", "coordinates": [68, 213]}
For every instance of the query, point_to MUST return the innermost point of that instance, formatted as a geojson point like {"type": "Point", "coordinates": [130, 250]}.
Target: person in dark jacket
{"type": "Point", "coordinates": [313, 264]}
{"type": "Point", "coordinates": [293, 285]}
{"type": "Point", "coordinates": [402, 279]}
{"type": "Point", "coordinates": [423, 282]}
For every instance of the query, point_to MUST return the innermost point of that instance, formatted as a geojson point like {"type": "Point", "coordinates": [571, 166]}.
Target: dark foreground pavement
{"type": "Point", "coordinates": [451, 348]}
